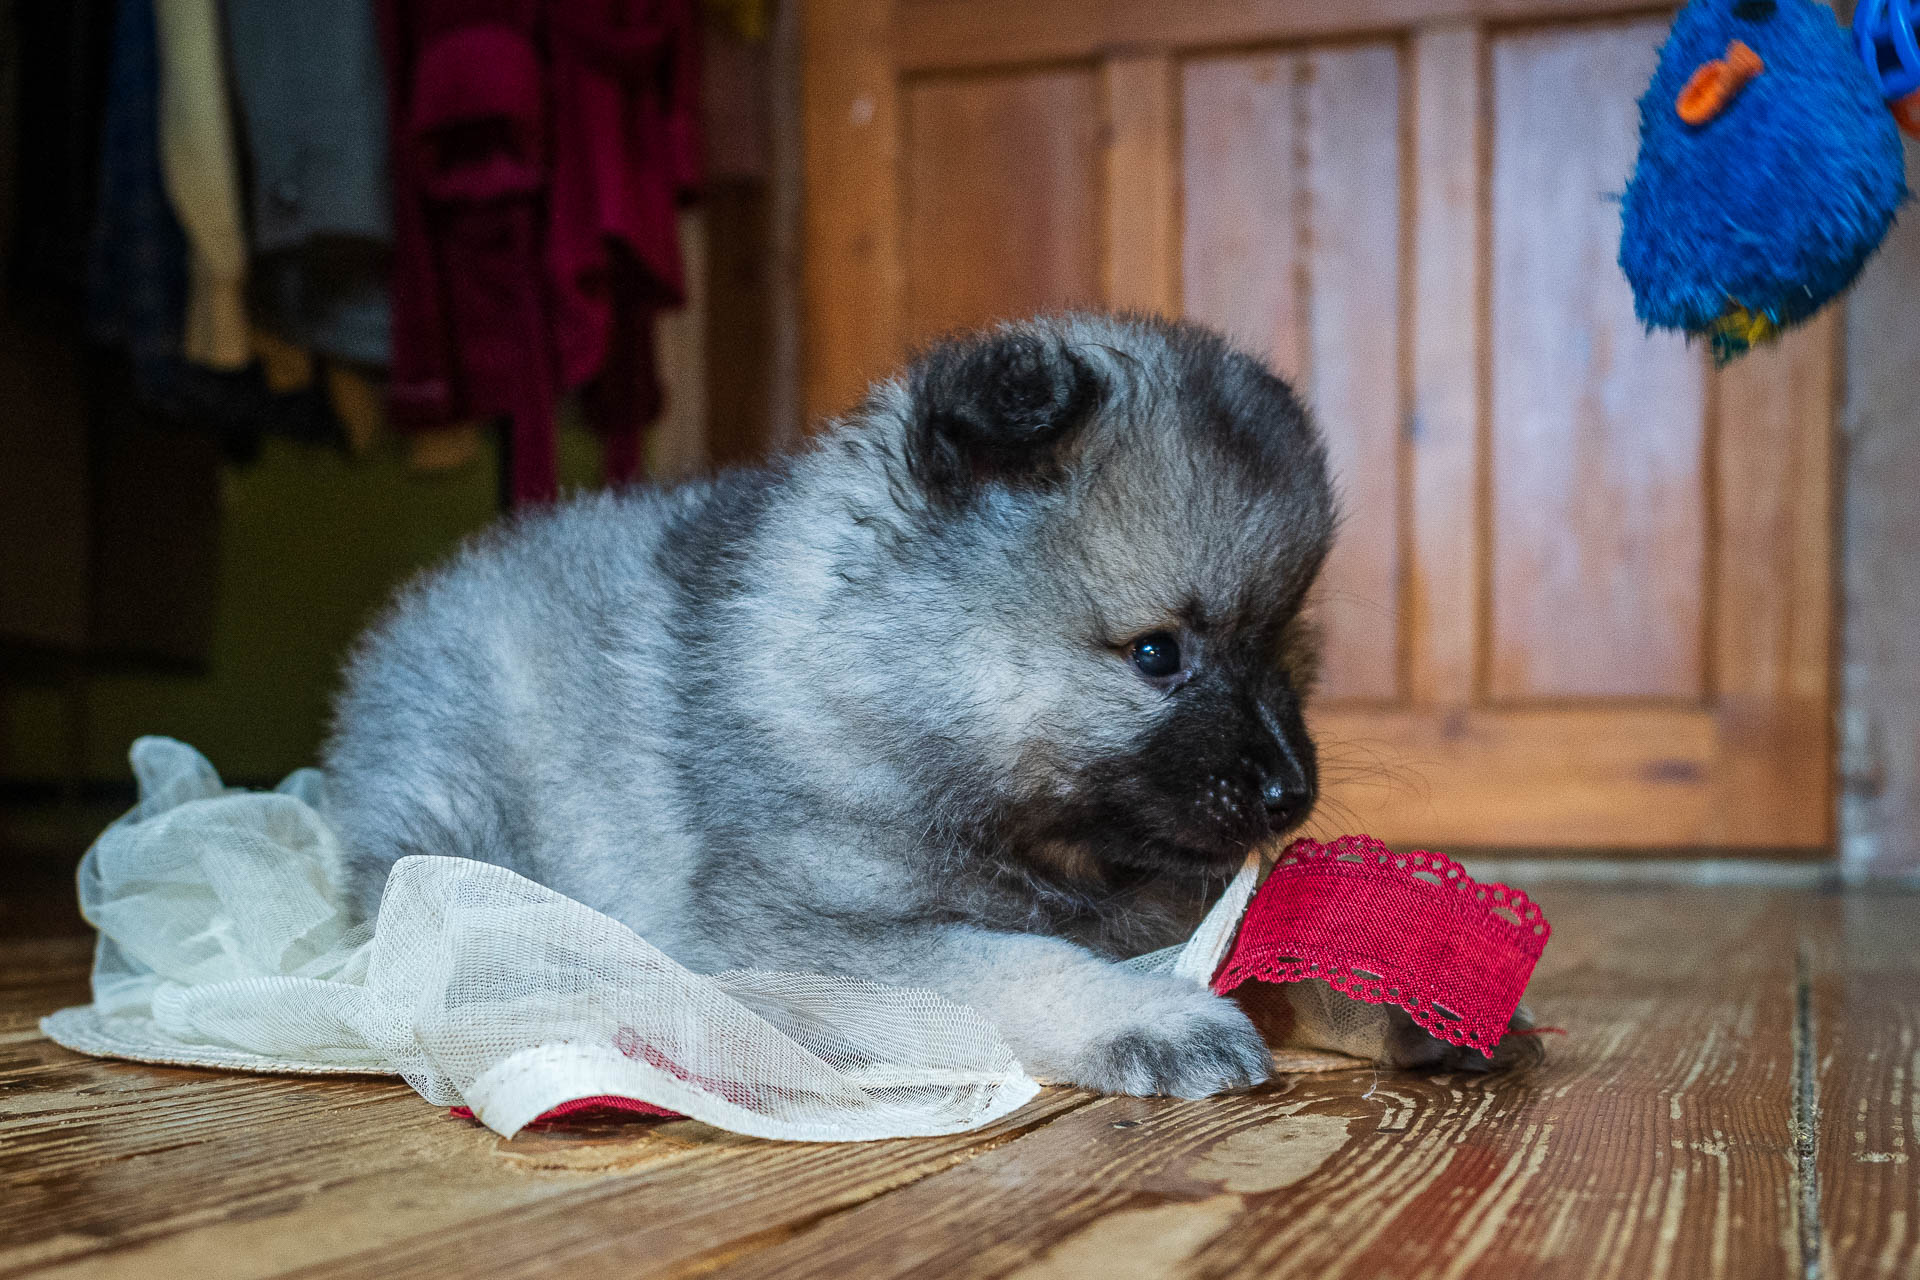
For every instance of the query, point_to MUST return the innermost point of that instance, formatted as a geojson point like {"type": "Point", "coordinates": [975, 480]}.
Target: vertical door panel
{"type": "Point", "coordinates": [1003, 197]}
{"type": "Point", "coordinates": [1240, 249]}
{"type": "Point", "coordinates": [1598, 494]}
{"type": "Point", "coordinates": [1292, 181]}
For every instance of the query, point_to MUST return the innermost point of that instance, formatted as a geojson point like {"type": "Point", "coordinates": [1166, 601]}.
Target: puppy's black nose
{"type": "Point", "coordinates": [1286, 801]}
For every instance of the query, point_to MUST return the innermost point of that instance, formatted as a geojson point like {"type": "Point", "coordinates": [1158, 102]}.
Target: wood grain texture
{"type": "Point", "coordinates": [1659, 1139]}
{"type": "Point", "coordinates": [786, 156]}
{"type": "Point", "coordinates": [1444, 571]}
{"type": "Point", "coordinates": [1656, 1143]}
{"type": "Point", "coordinates": [1420, 1178]}
{"type": "Point", "coordinates": [118, 1169]}
{"type": "Point", "coordinates": [1002, 197]}
{"type": "Point", "coordinates": [1880, 702]}
{"type": "Point", "coordinates": [1772, 595]}
{"type": "Point", "coordinates": [851, 280]}
{"type": "Point", "coordinates": [1351, 259]}
{"type": "Point", "coordinates": [1773, 568]}
{"type": "Point", "coordinates": [1597, 447]}
{"type": "Point", "coordinates": [1142, 195]}
{"type": "Point", "coordinates": [933, 34]}
{"type": "Point", "coordinates": [1292, 245]}
{"type": "Point", "coordinates": [1566, 777]}
{"type": "Point", "coordinates": [1863, 966]}
{"type": "Point", "coordinates": [1242, 184]}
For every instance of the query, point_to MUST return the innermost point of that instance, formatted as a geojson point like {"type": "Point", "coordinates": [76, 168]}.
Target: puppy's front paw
{"type": "Point", "coordinates": [1199, 1048]}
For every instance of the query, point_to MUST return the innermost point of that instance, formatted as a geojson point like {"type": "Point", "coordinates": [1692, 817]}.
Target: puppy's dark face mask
{"type": "Point", "coordinates": [1155, 510]}
{"type": "Point", "coordinates": [1227, 765]}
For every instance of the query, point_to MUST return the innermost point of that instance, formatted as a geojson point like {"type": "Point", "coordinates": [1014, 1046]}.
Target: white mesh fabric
{"type": "Point", "coordinates": [1326, 1019]}
{"type": "Point", "coordinates": [225, 941]}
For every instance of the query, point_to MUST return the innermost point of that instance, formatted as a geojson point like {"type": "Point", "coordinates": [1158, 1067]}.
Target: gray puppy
{"type": "Point", "coordinates": [993, 683]}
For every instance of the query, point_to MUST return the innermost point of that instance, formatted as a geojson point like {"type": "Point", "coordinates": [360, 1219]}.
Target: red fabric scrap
{"type": "Point", "coordinates": [1411, 929]}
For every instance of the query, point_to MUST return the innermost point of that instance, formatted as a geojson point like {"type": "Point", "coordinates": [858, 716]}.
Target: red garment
{"type": "Point", "coordinates": [540, 151]}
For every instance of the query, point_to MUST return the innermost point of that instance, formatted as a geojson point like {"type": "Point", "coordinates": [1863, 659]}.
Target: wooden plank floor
{"type": "Point", "coordinates": [1738, 1095]}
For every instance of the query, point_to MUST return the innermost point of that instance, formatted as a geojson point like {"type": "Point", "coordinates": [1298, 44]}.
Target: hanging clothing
{"type": "Point", "coordinates": [540, 149]}
{"type": "Point", "coordinates": [139, 280]}
{"type": "Point", "coordinates": [312, 96]}
{"type": "Point", "coordinates": [137, 256]}
{"type": "Point", "coordinates": [203, 180]}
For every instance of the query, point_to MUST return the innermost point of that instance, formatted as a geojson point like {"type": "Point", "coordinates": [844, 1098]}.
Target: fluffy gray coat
{"type": "Point", "coordinates": [991, 684]}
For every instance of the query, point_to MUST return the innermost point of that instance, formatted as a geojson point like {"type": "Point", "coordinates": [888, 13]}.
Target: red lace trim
{"type": "Point", "coordinates": [1408, 929]}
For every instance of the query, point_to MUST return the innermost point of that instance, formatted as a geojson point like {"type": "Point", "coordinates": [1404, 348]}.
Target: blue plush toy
{"type": "Point", "coordinates": [1770, 166]}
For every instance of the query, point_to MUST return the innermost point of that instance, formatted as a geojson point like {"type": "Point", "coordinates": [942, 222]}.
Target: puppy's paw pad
{"type": "Point", "coordinates": [1195, 1054]}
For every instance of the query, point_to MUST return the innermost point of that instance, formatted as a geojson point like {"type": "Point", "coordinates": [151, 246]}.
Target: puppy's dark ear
{"type": "Point", "coordinates": [997, 408]}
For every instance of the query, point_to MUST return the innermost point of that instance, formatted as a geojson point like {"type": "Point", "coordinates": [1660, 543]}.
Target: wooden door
{"type": "Point", "coordinates": [1582, 595]}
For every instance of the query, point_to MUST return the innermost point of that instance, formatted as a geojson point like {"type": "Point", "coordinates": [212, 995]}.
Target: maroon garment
{"type": "Point", "coordinates": [540, 151]}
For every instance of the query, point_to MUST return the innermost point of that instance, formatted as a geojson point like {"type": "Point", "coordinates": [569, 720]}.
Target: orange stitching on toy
{"type": "Point", "coordinates": [1906, 112]}
{"type": "Point", "coordinates": [1715, 84]}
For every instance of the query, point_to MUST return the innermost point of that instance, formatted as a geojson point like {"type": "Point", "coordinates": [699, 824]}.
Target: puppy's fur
{"type": "Point", "coordinates": [880, 709]}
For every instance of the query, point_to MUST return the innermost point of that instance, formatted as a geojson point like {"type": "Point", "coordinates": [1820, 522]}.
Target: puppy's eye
{"type": "Point", "coordinates": [1155, 656]}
